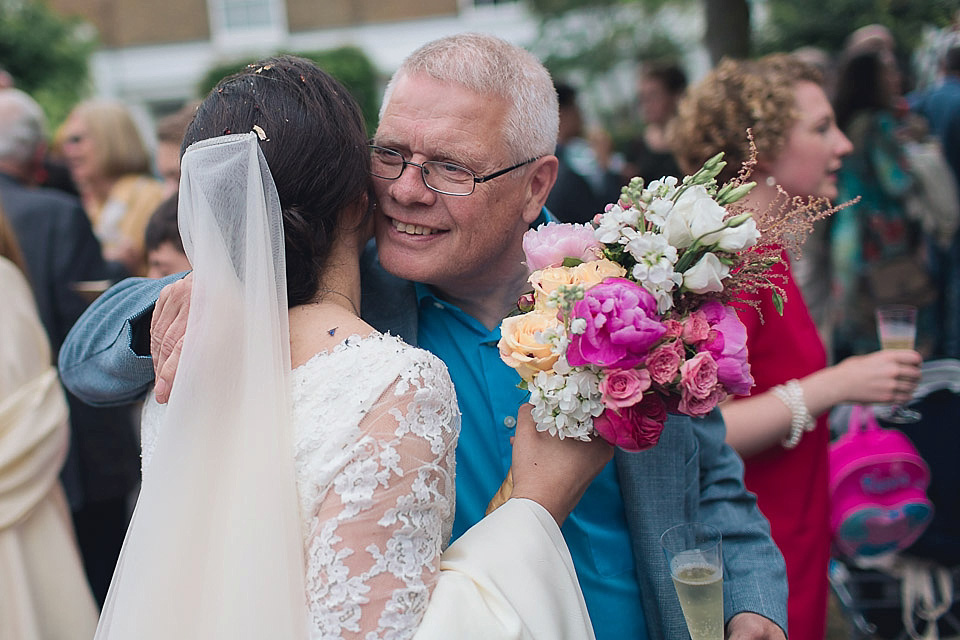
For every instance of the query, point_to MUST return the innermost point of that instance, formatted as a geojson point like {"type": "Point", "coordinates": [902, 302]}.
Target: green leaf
{"type": "Point", "coordinates": [778, 302]}
{"type": "Point", "coordinates": [572, 262]}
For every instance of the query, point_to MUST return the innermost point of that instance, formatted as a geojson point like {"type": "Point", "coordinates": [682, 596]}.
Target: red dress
{"type": "Point", "coordinates": [791, 485]}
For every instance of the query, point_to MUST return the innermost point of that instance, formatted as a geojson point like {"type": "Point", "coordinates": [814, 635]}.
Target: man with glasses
{"type": "Point", "coordinates": [462, 162]}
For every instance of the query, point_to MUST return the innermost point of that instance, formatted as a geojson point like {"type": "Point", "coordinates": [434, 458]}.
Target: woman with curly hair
{"type": "Point", "coordinates": [781, 428]}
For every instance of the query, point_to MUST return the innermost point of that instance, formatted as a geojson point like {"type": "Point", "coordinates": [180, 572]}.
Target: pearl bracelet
{"type": "Point", "coordinates": [791, 394]}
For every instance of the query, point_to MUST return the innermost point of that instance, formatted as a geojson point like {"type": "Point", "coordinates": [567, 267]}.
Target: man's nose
{"type": "Point", "coordinates": [410, 188]}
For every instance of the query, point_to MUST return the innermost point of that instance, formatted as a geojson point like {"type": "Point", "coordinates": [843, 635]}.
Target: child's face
{"type": "Point", "coordinates": [166, 260]}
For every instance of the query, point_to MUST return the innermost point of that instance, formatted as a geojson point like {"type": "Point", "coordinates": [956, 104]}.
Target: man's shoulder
{"type": "Point", "coordinates": [388, 303]}
{"type": "Point", "coordinates": [22, 200]}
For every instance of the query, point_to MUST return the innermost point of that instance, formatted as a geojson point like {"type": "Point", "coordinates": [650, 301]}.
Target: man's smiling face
{"type": "Point", "coordinates": [448, 241]}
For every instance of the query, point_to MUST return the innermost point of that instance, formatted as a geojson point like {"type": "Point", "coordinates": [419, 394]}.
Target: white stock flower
{"type": "Point", "coordinates": [613, 221]}
{"type": "Point", "coordinates": [658, 211]}
{"type": "Point", "coordinates": [706, 275]}
{"type": "Point", "coordinates": [565, 404]}
{"type": "Point", "coordinates": [654, 270]}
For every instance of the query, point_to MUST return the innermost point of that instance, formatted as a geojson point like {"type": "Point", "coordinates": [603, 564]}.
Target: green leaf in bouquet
{"type": "Point", "coordinates": [572, 262]}
{"type": "Point", "coordinates": [778, 302]}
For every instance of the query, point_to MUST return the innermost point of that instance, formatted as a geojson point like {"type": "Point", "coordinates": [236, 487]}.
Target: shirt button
{"type": "Point", "coordinates": [437, 305]}
{"type": "Point", "coordinates": [509, 422]}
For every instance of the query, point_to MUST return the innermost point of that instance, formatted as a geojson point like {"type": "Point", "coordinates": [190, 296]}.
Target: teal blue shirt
{"type": "Point", "coordinates": [596, 532]}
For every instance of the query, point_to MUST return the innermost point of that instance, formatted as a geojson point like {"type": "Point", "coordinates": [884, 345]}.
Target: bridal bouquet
{"type": "Point", "coordinates": [628, 319]}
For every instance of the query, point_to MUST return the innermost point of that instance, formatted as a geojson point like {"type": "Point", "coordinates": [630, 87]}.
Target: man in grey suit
{"type": "Point", "coordinates": [447, 267]}
{"type": "Point", "coordinates": [60, 250]}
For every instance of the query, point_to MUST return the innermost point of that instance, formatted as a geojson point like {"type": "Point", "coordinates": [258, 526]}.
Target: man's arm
{"type": "Point", "coordinates": [755, 579]}
{"type": "Point", "coordinates": [105, 359]}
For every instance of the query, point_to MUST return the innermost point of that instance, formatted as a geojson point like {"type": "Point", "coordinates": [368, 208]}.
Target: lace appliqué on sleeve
{"type": "Point", "coordinates": [375, 466]}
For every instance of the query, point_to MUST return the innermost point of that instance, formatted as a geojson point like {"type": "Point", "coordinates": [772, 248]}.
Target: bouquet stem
{"type": "Point", "coordinates": [502, 494]}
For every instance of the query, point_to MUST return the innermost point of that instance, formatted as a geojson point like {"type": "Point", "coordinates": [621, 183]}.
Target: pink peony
{"type": "Point", "coordinates": [698, 375]}
{"type": "Point", "coordinates": [633, 428]}
{"type": "Point", "coordinates": [548, 244]}
{"type": "Point", "coordinates": [727, 344]}
{"type": "Point", "coordinates": [664, 362]}
{"type": "Point", "coordinates": [695, 327]}
{"type": "Point", "coordinates": [624, 387]}
{"type": "Point", "coordinates": [694, 406]}
{"type": "Point", "coordinates": [622, 325]}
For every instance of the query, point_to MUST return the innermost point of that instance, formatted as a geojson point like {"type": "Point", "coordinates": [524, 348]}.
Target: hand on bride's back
{"type": "Point", "coordinates": [167, 328]}
{"type": "Point", "coordinates": [551, 471]}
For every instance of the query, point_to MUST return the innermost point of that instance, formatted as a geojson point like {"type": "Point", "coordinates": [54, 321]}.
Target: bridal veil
{"type": "Point", "coordinates": [214, 549]}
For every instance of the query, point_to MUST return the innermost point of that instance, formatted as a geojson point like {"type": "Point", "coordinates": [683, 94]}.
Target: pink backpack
{"type": "Point", "coordinates": [878, 485]}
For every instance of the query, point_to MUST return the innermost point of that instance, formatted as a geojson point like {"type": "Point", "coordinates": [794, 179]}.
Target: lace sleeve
{"type": "Point", "coordinates": [374, 540]}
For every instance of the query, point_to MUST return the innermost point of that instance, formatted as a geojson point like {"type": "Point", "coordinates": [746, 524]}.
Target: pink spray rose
{"type": "Point", "coordinates": [624, 387]}
{"type": "Point", "coordinates": [674, 329]}
{"type": "Point", "coordinates": [695, 327]}
{"type": "Point", "coordinates": [633, 428]}
{"type": "Point", "coordinates": [664, 362]}
{"type": "Point", "coordinates": [698, 375]}
{"type": "Point", "coordinates": [622, 325]}
{"type": "Point", "coordinates": [727, 344]}
{"type": "Point", "coordinates": [549, 244]}
{"type": "Point", "coordinates": [693, 406]}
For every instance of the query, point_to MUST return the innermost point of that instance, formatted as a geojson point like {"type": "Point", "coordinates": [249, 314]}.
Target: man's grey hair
{"type": "Point", "coordinates": [22, 126]}
{"type": "Point", "coordinates": [490, 66]}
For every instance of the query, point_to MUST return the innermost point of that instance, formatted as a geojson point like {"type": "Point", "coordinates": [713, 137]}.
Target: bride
{"type": "Point", "coordinates": [234, 537]}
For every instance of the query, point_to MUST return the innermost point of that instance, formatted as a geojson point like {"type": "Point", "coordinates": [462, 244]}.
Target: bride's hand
{"type": "Point", "coordinates": [167, 328]}
{"type": "Point", "coordinates": [551, 471]}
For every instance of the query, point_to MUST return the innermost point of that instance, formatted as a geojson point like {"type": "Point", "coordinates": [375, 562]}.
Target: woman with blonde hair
{"type": "Point", "coordinates": [781, 429]}
{"type": "Point", "coordinates": [110, 165]}
{"type": "Point", "coordinates": [43, 591]}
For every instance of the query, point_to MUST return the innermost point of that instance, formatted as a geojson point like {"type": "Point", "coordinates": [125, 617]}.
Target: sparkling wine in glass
{"type": "Point", "coordinates": [897, 329]}
{"type": "Point", "coordinates": [696, 566]}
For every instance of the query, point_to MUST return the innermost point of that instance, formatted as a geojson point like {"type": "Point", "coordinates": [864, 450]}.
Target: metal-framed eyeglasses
{"type": "Point", "coordinates": [443, 177]}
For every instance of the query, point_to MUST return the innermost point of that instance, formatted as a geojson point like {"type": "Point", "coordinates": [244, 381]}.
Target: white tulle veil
{"type": "Point", "coordinates": [214, 549]}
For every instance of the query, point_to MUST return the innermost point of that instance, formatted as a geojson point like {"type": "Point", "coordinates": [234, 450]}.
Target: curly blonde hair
{"type": "Point", "coordinates": [736, 96]}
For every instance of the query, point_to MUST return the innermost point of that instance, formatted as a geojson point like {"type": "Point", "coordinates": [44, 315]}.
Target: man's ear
{"type": "Point", "coordinates": [540, 181]}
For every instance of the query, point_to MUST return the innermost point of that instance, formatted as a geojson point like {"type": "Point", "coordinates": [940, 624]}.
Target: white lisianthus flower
{"type": "Point", "coordinates": [695, 216]}
{"type": "Point", "coordinates": [740, 236]}
{"type": "Point", "coordinates": [706, 275]}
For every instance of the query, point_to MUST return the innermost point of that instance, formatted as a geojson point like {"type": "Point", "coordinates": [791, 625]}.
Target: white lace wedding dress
{"type": "Point", "coordinates": [375, 427]}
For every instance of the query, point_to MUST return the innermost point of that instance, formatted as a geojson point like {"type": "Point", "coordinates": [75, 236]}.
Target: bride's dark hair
{"type": "Point", "coordinates": [313, 137]}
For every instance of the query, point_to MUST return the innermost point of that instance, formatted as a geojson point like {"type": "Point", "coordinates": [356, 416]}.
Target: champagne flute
{"type": "Point", "coordinates": [897, 328]}
{"type": "Point", "coordinates": [696, 566]}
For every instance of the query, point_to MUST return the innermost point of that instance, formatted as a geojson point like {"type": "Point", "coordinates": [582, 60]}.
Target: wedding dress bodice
{"type": "Point", "coordinates": [375, 426]}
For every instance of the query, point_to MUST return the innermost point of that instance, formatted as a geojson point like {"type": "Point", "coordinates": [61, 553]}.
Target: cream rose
{"type": "Point", "coordinates": [588, 274]}
{"type": "Point", "coordinates": [523, 345]}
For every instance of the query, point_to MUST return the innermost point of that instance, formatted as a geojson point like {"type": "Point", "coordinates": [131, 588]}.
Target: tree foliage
{"type": "Point", "coordinates": [827, 23]}
{"type": "Point", "coordinates": [349, 65]}
{"type": "Point", "coordinates": [47, 55]}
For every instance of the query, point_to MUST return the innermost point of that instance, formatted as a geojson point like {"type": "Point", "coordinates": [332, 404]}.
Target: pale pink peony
{"type": "Point", "coordinates": [664, 362]}
{"type": "Point", "coordinates": [549, 244]}
{"type": "Point", "coordinates": [698, 375]}
{"type": "Point", "coordinates": [622, 325]}
{"type": "Point", "coordinates": [623, 387]}
{"type": "Point", "coordinates": [634, 428]}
